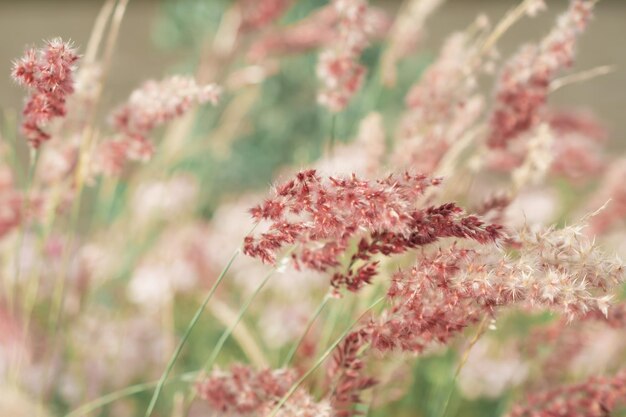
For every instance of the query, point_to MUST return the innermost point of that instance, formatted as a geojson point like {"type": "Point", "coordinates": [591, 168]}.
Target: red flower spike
{"type": "Point", "coordinates": [323, 217]}
{"type": "Point", "coordinates": [48, 73]}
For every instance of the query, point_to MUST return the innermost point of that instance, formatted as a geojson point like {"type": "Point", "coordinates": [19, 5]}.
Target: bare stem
{"type": "Point", "coordinates": [13, 299]}
{"type": "Point", "coordinates": [479, 332]}
{"type": "Point", "coordinates": [123, 393]}
{"type": "Point", "coordinates": [98, 31]}
{"type": "Point", "coordinates": [320, 361]}
{"type": "Point", "coordinates": [312, 319]}
{"type": "Point", "coordinates": [192, 324]}
{"type": "Point", "coordinates": [580, 77]}
{"type": "Point", "coordinates": [241, 333]}
{"type": "Point", "coordinates": [226, 334]}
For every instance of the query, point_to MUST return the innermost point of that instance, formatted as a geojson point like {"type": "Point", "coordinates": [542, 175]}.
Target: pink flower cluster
{"type": "Point", "coordinates": [338, 68]}
{"type": "Point", "coordinates": [346, 374]}
{"type": "Point", "coordinates": [596, 397]}
{"type": "Point", "coordinates": [441, 108]}
{"type": "Point", "coordinates": [155, 103]}
{"type": "Point", "coordinates": [48, 73]}
{"type": "Point", "coordinates": [244, 391]}
{"type": "Point", "coordinates": [311, 32]}
{"type": "Point", "coordinates": [319, 29]}
{"type": "Point", "coordinates": [576, 150]}
{"type": "Point", "coordinates": [454, 288]}
{"type": "Point", "coordinates": [571, 344]}
{"type": "Point", "coordinates": [438, 91]}
{"type": "Point", "coordinates": [324, 217]}
{"type": "Point", "coordinates": [427, 307]}
{"type": "Point", "coordinates": [259, 13]}
{"type": "Point", "coordinates": [525, 80]}
{"type": "Point", "coordinates": [578, 145]}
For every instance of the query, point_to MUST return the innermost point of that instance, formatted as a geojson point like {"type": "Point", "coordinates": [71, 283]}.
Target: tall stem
{"type": "Point", "coordinates": [479, 332]}
{"type": "Point", "coordinates": [192, 324]}
{"type": "Point", "coordinates": [123, 393]}
{"type": "Point", "coordinates": [226, 334]}
{"type": "Point", "coordinates": [320, 361]}
{"type": "Point", "coordinates": [297, 344]}
{"type": "Point", "coordinates": [13, 299]}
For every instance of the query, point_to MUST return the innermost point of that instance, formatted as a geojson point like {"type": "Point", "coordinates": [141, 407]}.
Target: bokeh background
{"type": "Point", "coordinates": [282, 125]}
{"type": "Point", "coordinates": [152, 45]}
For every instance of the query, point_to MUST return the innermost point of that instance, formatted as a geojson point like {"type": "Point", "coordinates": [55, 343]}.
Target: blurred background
{"type": "Point", "coordinates": [242, 145]}
{"type": "Point", "coordinates": [157, 37]}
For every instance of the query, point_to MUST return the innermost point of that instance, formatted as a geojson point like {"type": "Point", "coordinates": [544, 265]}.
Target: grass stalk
{"type": "Point", "coordinates": [309, 324]}
{"type": "Point", "coordinates": [183, 340]}
{"type": "Point", "coordinates": [482, 327]}
{"type": "Point", "coordinates": [321, 360]}
{"type": "Point", "coordinates": [32, 165]}
{"type": "Point", "coordinates": [124, 393]}
{"type": "Point", "coordinates": [226, 334]}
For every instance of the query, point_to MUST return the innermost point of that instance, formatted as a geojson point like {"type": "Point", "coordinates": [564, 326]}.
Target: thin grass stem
{"type": "Point", "coordinates": [226, 334]}
{"type": "Point", "coordinates": [312, 319]}
{"type": "Point", "coordinates": [13, 299]}
{"type": "Point", "coordinates": [190, 327]}
{"type": "Point", "coordinates": [320, 360]}
{"type": "Point", "coordinates": [479, 332]}
{"type": "Point", "coordinates": [124, 393]}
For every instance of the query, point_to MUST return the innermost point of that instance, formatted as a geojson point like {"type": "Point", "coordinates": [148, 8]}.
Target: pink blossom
{"type": "Point", "coordinates": [524, 83]}
{"type": "Point", "coordinates": [338, 68]}
{"type": "Point", "coordinates": [112, 155]}
{"type": "Point", "coordinates": [574, 347]}
{"type": "Point", "coordinates": [152, 105]}
{"type": "Point", "coordinates": [427, 308]}
{"type": "Point", "coordinates": [245, 391]}
{"type": "Point", "coordinates": [158, 102]}
{"type": "Point", "coordinates": [596, 397]}
{"type": "Point", "coordinates": [346, 374]}
{"type": "Point", "coordinates": [319, 29]}
{"type": "Point", "coordinates": [48, 74]}
{"type": "Point", "coordinates": [443, 293]}
{"type": "Point", "coordinates": [321, 218]}
{"type": "Point", "coordinates": [576, 148]}
{"type": "Point", "coordinates": [259, 13]}
{"type": "Point", "coordinates": [441, 108]}
{"type": "Point", "coordinates": [315, 30]}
